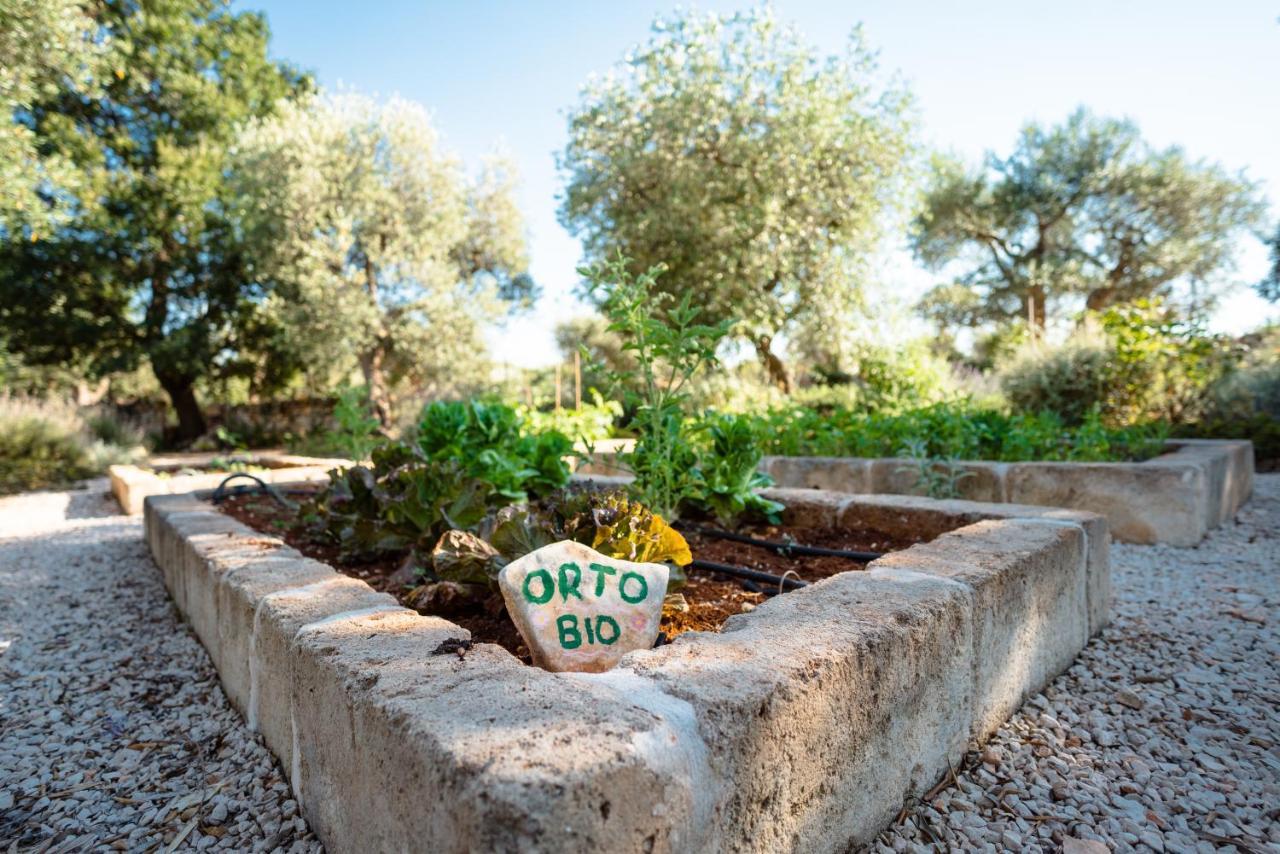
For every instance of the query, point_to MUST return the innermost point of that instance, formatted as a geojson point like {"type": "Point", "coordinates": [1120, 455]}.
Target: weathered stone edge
{"type": "Point", "coordinates": [1175, 498]}
{"type": "Point", "coordinates": [867, 686]}
{"type": "Point", "coordinates": [131, 484]}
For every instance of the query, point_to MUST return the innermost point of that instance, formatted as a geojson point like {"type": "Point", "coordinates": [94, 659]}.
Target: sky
{"type": "Point", "coordinates": [1201, 75]}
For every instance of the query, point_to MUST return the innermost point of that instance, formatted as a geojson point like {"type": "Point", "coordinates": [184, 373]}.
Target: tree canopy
{"type": "Point", "coordinates": [44, 45]}
{"type": "Point", "coordinates": [147, 263]}
{"type": "Point", "coordinates": [755, 170]}
{"type": "Point", "coordinates": [381, 252]}
{"type": "Point", "coordinates": [1085, 213]}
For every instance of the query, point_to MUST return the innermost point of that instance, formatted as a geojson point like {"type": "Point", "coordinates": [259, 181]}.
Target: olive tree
{"type": "Point", "coordinates": [383, 254]}
{"type": "Point", "coordinates": [754, 169]}
{"type": "Point", "coordinates": [1084, 214]}
{"type": "Point", "coordinates": [142, 263]}
{"type": "Point", "coordinates": [44, 46]}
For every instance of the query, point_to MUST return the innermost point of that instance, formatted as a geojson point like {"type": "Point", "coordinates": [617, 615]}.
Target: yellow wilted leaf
{"type": "Point", "coordinates": [628, 530]}
{"type": "Point", "coordinates": [671, 544]}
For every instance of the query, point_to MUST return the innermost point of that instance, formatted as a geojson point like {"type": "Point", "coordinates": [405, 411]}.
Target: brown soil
{"type": "Point", "coordinates": [704, 604]}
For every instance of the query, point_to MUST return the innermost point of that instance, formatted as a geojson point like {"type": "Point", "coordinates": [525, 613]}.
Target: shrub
{"type": "Point", "coordinates": [1133, 363]}
{"type": "Point", "coordinates": [459, 462]}
{"type": "Point", "coordinates": [40, 447]}
{"type": "Point", "coordinates": [878, 379]}
{"type": "Point", "coordinates": [49, 445]}
{"type": "Point", "coordinates": [1253, 388]}
{"type": "Point", "coordinates": [899, 378]}
{"type": "Point", "coordinates": [113, 429]}
{"type": "Point", "coordinates": [1245, 404]}
{"type": "Point", "coordinates": [1163, 364]}
{"type": "Point", "coordinates": [1070, 381]}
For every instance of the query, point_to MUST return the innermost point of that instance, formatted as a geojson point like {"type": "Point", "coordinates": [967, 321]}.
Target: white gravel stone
{"type": "Point", "coordinates": [1165, 733]}
{"type": "Point", "coordinates": [114, 732]}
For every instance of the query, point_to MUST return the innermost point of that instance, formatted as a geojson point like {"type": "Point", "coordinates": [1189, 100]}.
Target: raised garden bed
{"type": "Point", "coordinates": [802, 724]}
{"type": "Point", "coordinates": [709, 598]}
{"type": "Point", "coordinates": [182, 473]}
{"type": "Point", "coordinates": [1175, 498]}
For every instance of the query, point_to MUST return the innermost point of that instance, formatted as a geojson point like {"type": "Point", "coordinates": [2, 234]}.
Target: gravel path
{"type": "Point", "coordinates": [114, 732]}
{"type": "Point", "coordinates": [1164, 734]}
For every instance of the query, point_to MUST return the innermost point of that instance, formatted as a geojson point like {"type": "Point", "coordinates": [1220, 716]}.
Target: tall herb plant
{"type": "Point", "coordinates": [671, 345]}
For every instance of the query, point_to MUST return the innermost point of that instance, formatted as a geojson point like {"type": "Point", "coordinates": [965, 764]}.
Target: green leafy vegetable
{"type": "Point", "coordinates": [729, 476]}
{"type": "Point", "coordinates": [615, 525]}
{"type": "Point", "coordinates": [611, 523]}
{"type": "Point", "coordinates": [463, 461]}
{"type": "Point", "coordinates": [675, 469]}
{"type": "Point", "coordinates": [954, 430]}
{"type": "Point", "coordinates": [463, 557]}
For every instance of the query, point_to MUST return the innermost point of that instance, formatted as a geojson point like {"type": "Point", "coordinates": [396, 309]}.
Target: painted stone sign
{"type": "Point", "coordinates": [579, 610]}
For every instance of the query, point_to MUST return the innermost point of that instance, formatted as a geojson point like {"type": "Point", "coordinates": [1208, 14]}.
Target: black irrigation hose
{"type": "Point", "coordinates": [221, 493]}
{"type": "Point", "coordinates": [779, 581]}
{"type": "Point", "coordinates": [788, 549]}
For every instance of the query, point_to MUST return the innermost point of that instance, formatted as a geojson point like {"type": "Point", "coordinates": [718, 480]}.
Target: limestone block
{"type": "Point", "coordinates": [839, 474]}
{"type": "Point", "coordinates": [927, 518]}
{"type": "Point", "coordinates": [808, 508]}
{"type": "Point", "coordinates": [280, 617]}
{"type": "Point", "coordinates": [822, 709]}
{"type": "Point", "coordinates": [1030, 604]}
{"type": "Point", "coordinates": [246, 580]}
{"type": "Point", "coordinates": [403, 750]}
{"type": "Point", "coordinates": [898, 476]}
{"type": "Point", "coordinates": [1228, 466]}
{"type": "Point", "coordinates": [1148, 503]}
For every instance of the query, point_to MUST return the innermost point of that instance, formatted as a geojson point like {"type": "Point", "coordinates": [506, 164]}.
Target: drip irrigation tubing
{"type": "Point", "coordinates": [777, 581]}
{"type": "Point", "coordinates": [788, 549]}
{"type": "Point", "coordinates": [222, 492]}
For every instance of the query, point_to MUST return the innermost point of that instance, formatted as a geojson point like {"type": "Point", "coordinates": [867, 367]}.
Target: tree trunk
{"type": "Point", "coordinates": [1036, 309]}
{"type": "Point", "coordinates": [376, 381]}
{"type": "Point", "coordinates": [772, 364]}
{"type": "Point", "coordinates": [182, 394]}
{"type": "Point", "coordinates": [371, 361]}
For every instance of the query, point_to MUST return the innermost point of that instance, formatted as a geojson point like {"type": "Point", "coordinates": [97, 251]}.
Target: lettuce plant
{"type": "Point", "coordinates": [611, 523]}
{"type": "Point", "coordinates": [462, 461]}
{"type": "Point", "coordinates": [729, 476]}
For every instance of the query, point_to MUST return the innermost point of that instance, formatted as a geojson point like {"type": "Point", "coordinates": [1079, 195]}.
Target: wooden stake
{"type": "Point", "coordinates": [1031, 317]}
{"type": "Point", "coordinates": [577, 380]}
{"type": "Point", "coordinates": [557, 387]}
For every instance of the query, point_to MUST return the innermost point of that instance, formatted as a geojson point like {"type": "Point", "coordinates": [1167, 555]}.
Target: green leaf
{"type": "Point", "coordinates": [517, 531]}
{"type": "Point", "coordinates": [463, 557]}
